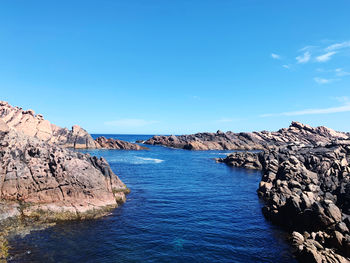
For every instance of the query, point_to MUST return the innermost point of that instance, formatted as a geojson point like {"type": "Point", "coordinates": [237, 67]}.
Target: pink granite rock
{"type": "Point", "coordinates": [46, 179]}
{"type": "Point", "coordinates": [34, 125]}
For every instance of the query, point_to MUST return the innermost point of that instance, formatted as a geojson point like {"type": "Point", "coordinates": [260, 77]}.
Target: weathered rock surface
{"type": "Point", "coordinates": [296, 133]}
{"type": "Point", "coordinates": [37, 176]}
{"type": "Point", "coordinates": [307, 190]}
{"type": "Point", "coordinates": [41, 182]}
{"type": "Point", "coordinates": [34, 125]}
{"type": "Point", "coordinates": [102, 142]}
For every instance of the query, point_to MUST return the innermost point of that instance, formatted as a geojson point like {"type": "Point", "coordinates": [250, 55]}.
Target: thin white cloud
{"type": "Point", "coordinates": [341, 73]}
{"type": "Point", "coordinates": [304, 58]}
{"type": "Point", "coordinates": [275, 56]}
{"type": "Point", "coordinates": [129, 123]}
{"type": "Point", "coordinates": [343, 99]}
{"type": "Point", "coordinates": [344, 108]}
{"type": "Point", "coordinates": [325, 57]}
{"type": "Point", "coordinates": [323, 80]}
{"type": "Point", "coordinates": [337, 46]}
{"type": "Point", "coordinates": [307, 48]}
{"type": "Point", "coordinates": [286, 66]}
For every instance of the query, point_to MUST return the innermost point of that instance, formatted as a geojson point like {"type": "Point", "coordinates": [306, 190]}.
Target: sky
{"type": "Point", "coordinates": [178, 67]}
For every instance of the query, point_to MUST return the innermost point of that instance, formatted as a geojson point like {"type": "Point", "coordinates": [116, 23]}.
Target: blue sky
{"type": "Point", "coordinates": [177, 67]}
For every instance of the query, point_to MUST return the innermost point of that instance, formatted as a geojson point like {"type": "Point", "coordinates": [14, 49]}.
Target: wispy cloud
{"type": "Point", "coordinates": [129, 123]}
{"type": "Point", "coordinates": [275, 56]}
{"type": "Point", "coordinates": [286, 66]}
{"type": "Point", "coordinates": [307, 48]}
{"type": "Point", "coordinates": [341, 73]}
{"type": "Point", "coordinates": [304, 58]}
{"type": "Point", "coordinates": [325, 57]}
{"type": "Point", "coordinates": [323, 80]}
{"type": "Point", "coordinates": [343, 99]}
{"type": "Point", "coordinates": [337, 46]}
{"type": "Point", "coordinates": [343, 108]}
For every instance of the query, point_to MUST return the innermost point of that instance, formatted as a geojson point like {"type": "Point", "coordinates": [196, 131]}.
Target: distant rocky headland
{"type": "Point", "coordinates": [305, 181]}
{"type": "Point", "coordinates": [34, 125]}
{"type": "Point", "coordinates": [296, 133]}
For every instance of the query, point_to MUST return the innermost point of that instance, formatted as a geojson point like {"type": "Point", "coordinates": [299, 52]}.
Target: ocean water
{"type": "Point", "coordinates": [183, 207]}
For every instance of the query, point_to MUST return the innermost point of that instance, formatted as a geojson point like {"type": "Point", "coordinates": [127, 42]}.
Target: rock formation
{"type": "Point", "coordinates": [41, 182]}
{"type": "Point", "coordinates": [34, 125]}
{"type": "Point", "coordinates": [297, 133]}
{"type": "Point", "coordinates": [110, 143]}
{"type": "Point", "coordinates": [305, 181]}
{"type": "Point", "coordinates": [38, 177]}
{"type": "Point", "coordinates": [306, 188]}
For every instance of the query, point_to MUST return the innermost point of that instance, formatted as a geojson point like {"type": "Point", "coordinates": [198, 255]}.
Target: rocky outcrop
{"type": "Point", "coordinates": [102, 142]}
{"type": "Point", "coordinates": [41, 182]}
{"type": "Point", "coordinates": [45, 177]}
{"type": "Point", "coordinates": [307, 190]}
{"type": "Point", "coordinates": [296, 133]}
{"type": "Point", "coordinates": [34, 125]}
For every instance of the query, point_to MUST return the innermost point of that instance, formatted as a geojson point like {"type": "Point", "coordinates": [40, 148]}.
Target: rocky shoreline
{"type": "Point", "coordinates": [306, 189]}
{"type": "Point", "coordinates": [42, 182]}
{"type": "Point", "coordinates": [110, 143]}
{"type": "Point", "coordinates": [45, 183]}
{"type": "Point", "coordinates": [305, 178]}
{"type": "Point", "coordinates": [296, 132]}
{"type": "Point", "coordinates": [305, 181]}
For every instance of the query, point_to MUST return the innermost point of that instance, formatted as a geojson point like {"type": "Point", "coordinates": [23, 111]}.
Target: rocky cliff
{"type": "Point", "coordinates": [296, 133]}
{"type": "Point", "coordinates": [41, 182]}
{"type": "Point", "coordinates": [306, 188]}
{"type": "Point", "coordinates": [34, 125]}
{"type": "Point", "coordinates": [49, 178]}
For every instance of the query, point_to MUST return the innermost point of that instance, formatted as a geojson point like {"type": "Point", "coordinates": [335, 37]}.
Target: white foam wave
{"type": "Point", "coordinates": [152, 160]}
{"type": "Point", "coordinates": [135, 160]}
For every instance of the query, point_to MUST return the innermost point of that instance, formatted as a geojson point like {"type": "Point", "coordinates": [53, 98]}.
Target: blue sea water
{"type": "Point", "coordinates": [183, 207]}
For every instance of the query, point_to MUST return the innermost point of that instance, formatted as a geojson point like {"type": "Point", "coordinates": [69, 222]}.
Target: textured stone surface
{"type": "Point", "coordinates": [102, 142]}
{"type": "Point", "coordinates": [41, 178]}
{"type": "Point", "coordinates": [34, 125]}
{"type": "Point", "coordinates": [42, 182]}
{"type": "Point", "coordinates": [297, 133]}
{"type": "Point", "coordinates": [307, 190]}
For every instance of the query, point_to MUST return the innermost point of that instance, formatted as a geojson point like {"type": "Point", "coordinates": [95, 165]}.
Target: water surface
{"type": "Point", "coordinates": [183, 207]}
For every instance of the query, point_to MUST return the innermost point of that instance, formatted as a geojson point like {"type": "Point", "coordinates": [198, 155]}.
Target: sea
{"type": "Point", "coordinates": [183, 207]}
